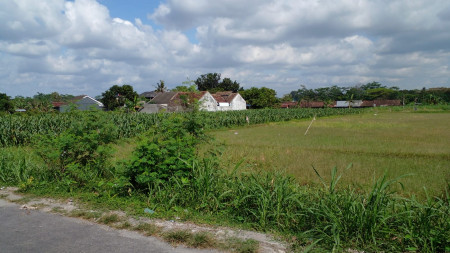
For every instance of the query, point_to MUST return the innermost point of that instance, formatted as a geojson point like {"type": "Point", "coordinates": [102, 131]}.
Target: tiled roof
{"type": "Point", "coordinates": [224, 96]}
{"type": "Point", "coordinates": [164, 97]}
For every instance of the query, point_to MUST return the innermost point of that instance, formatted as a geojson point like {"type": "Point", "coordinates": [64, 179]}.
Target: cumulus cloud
{"type": "Point", "coordinates": [78, 47]}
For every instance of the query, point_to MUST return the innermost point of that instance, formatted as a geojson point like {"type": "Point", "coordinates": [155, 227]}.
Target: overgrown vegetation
{"type": "Point", "coordinates": [168, 176]}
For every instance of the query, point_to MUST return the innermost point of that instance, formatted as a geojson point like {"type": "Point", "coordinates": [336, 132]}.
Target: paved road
{"type": "Point", "coordinates": [35, 231]}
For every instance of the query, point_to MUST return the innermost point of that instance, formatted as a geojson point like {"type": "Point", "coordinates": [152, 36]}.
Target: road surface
{"type": "Point", "coordinates": [35, 231]}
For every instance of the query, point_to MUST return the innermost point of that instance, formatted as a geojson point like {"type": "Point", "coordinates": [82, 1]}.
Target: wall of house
{"type": "Point", "coordinates": [238, 103]}
{"type": "Point", "coordinates": [208, 103]}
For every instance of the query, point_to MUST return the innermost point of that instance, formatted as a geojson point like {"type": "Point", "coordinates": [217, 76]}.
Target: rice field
{"type": "Point", "coordinates": [395, 143]}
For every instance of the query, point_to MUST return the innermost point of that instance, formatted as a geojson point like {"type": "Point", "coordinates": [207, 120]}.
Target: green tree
{"type": "Point", "coordinates": [6, 104]}
{"type": "Point", "coordinates": [208, 82]}
{"type": "Point", "coordinates": [161, 87]}
{"type": "Point", "coordinates": [211, 82]}
{"type": "Point", "coordinates": [260, 97]}
{"type": "Point", "coordinates": [117, 96]}
{"type": "Point", "coordinates": [228, 85]}
{"type": "Point", "coordinates": [183, 88]}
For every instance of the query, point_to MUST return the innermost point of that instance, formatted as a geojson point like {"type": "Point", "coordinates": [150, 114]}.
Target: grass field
{"type": "Point", "coordinates": [397, 143]}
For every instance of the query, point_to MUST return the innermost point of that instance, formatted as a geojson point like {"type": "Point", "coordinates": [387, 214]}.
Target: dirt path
{"type": "Point", "coordinates": [28, 223]}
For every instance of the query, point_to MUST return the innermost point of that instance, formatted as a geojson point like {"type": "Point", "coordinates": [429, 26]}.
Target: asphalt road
{"type": "Point", "coordinates": [35, 231]}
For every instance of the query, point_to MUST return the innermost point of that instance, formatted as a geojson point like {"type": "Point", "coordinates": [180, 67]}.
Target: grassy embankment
{"type": "Point", "coordinates": [397, 143]}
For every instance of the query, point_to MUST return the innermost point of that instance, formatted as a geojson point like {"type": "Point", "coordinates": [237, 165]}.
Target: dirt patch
{"type": "Point", "coordinates": [120, 220]}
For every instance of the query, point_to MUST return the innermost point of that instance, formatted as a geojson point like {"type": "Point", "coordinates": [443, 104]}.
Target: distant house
{"type": "Point", "coordinates": [303, 104]}
{"type": "Point", "coordinates": [229, 101]}
{"type": "Point", "coordinates": [180, 101]}
{"type": "Point", "coordinates": [82, 103]}
{"type": "Point", "coordinates": [149, 95]}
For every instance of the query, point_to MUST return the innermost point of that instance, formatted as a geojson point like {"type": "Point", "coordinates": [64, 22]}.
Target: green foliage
{"type": "Point", "coordinates": [166, 153]}
{"type": "Point", "coordinates": [373, 91]}
{"type": "Point", "coordinates": [20, 129]}
{"type": "Point", "coordinates": [161, 87]}
{"type": "Point", "coordinates": [182, 88]}
{"type": "Point", "coordinates": [6, 104]}
{"type": "Point", "coordinates": [79, 154]}
{"type": "Point", "coordinates": [117, 96]}
{"type": "Point", "coordinates": [260, 97]}
{"type": "Point", "coordinates": [211, 82]}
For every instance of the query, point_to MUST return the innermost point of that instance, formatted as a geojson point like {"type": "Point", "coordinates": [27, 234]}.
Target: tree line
{"type": "Point", "coordinates": [370, 91]}
{"type": "Point", "coordinates": [124, 96]}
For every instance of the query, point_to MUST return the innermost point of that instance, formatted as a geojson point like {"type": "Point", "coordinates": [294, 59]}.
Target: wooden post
{"type": "Point", "coordinates": [310, 124]}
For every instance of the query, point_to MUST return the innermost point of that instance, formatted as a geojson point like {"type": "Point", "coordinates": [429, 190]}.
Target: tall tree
{"type": "Point", "coordinates": [6, 104]}
{"type": "Point", "coordinates": [117, 96]}
{"type": "Point", "coordinates": [260, 97]}
{"type": "Point", "coordinates": [161, 87]}
{"type": "Point", "coordinates": [208, 81]}
{"type": "Point", "coordinates": [211, 82]}
{"type": "Point", "coordinates": [228, 85]}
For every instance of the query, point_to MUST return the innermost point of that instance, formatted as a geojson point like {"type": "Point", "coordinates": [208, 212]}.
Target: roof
{"type": "Point", "coordinates": [224, 96]}
{"type": "Point", "coordinates": [76, 99]}
{"type": "Point", "coordinates": [149, 94]}
{"type": "Point", "coordinates": [164, 98]}
{"type": "Point", "coordinates": [288, 104]}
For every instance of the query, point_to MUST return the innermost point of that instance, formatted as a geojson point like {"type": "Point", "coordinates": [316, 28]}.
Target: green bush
{"type": "Point", "coordinates": [79, 154]}
{"type": "Point", "coordinates": [167, 151]}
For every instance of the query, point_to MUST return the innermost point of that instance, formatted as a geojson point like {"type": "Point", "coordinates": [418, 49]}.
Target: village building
{"type": "Point", "coordinates": [82, 103]}
{"type": "Point", "coordinates": [229, 101]}
{"type": "Point", "coordinates": [181, 101]}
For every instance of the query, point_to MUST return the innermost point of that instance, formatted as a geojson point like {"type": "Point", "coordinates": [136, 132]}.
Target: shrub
{"type": "Point", "coordinates": [80, 153]}
{"type": "Point", "coordinates": [167, 151]}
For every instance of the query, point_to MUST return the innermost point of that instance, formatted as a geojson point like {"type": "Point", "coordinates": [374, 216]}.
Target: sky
{"type": "Point", "coordinates": [86, 46]}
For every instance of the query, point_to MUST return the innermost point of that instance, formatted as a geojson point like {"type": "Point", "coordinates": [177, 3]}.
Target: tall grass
{"type": "Point", "coordinates": [339, 217]}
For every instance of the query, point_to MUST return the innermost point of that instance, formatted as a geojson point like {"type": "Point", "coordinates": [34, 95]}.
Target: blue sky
{"type": "Point", "coordinates": [86, 46]}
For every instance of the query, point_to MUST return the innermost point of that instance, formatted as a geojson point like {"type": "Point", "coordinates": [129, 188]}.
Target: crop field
{"type": "Point", "coordinates": [395, 143]}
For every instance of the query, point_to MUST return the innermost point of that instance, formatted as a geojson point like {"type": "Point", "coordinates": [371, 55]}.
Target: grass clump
{"type": "Point", "coordinates": [235, 244]}
{"type": "Point", "coordinates": [109, 218]}
{"type": "Point", "coordinates": [177, 236]}
{"type": "Point", "coordinates": [89, 215]}
{"type": "Point", "coordinates": [147, 228]}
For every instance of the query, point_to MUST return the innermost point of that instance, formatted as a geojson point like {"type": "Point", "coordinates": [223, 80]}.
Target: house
{"type": "Point", "coordinates": [149, 95]}
{"type": "Point", "coordinates": [288, 105]}
{"type": "Point", "coordinates": [303, 104]}
{"type": "Point", "coordinates": [229, 101]}
{"type": "Point", "coordinates": [347, 104]}
{"type": "Point", "coordinates": [82, 103]}
{"type": "Point", "coordinates": [396, 102]}
{"type": "Point", "coordinates": [180, 101]}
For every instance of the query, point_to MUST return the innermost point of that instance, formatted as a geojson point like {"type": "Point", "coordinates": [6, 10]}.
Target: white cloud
{"type": "Point", "coordinates": [78, 47]}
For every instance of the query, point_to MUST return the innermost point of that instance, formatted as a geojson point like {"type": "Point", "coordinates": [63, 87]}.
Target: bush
{"type": "Point", "coordinates": [167, 151]}
{"type": "Point", "coordinates": [79, 154]}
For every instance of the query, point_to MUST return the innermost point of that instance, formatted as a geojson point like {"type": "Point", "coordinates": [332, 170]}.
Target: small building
{"type": "Point", "coordinates": [82, 103]}
{"type": "Point", "coordinates": [180, 101]}
{"type": "Point", "coordinates": [149, 95]}
{"type": "Point", "coordinates": [229, 101]}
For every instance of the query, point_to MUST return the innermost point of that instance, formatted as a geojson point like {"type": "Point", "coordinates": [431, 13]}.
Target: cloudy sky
{"type": "Point", "coordinates": [86, 46]}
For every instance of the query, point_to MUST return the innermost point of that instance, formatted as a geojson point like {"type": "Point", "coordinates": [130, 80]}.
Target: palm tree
{"type": "Point", "coordinates": [160, 87]}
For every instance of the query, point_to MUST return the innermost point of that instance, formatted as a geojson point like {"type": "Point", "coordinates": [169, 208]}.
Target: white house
{"type": "Point", "coordinates": [229, 101]}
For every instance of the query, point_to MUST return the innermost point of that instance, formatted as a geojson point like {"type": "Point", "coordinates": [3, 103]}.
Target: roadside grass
{"type": "Point", "coordinates": [395, 143]}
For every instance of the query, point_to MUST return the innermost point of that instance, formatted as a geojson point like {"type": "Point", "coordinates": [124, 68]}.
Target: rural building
{"type": "Point", "coordinates": [149, 95]}
{"type": "Point", "coordinates": [180, 101]}
{"type": "Point", "coordinates": [229, 101]}
{"type": "Point", "coordinates": [82, 103]}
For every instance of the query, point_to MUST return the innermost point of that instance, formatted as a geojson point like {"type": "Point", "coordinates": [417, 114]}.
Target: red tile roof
{"type": "Point", "coordinates": [224, 96]}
